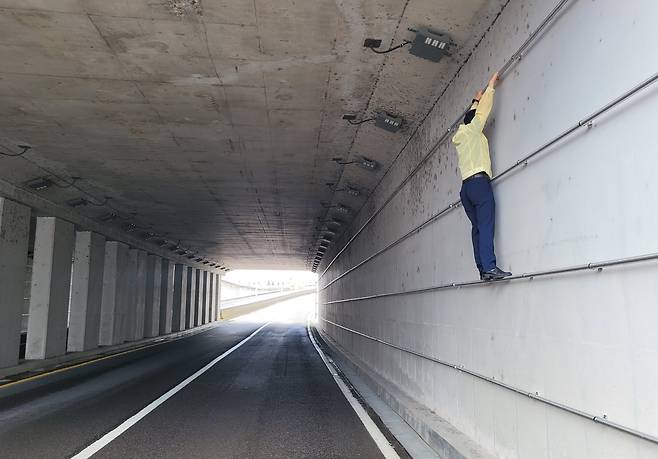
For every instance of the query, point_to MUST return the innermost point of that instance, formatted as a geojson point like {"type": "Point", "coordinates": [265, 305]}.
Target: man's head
{"type": "Point", "coordinates": [469, 116]}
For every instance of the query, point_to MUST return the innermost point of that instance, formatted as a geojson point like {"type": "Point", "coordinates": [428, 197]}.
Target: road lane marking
{"type": "Point", "coordinates": [376, 434]}
{"type": "Point", "coordinates": [131, 421]}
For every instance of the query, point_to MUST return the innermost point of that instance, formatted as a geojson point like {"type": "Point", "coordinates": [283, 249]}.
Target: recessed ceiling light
{"type": "Point", "coordinates": [108, 217]}
{"type": "Point", "coordinates": [367, 163]}
{"type": "Point", "coordinates": [77, 202]}
{"type": "Point", "coordinates": [40, 183]}
{"type": "Point", "coordinates": [388, 122]}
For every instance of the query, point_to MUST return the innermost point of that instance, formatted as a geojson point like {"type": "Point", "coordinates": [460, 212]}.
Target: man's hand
{"type": "Point", "coordinates": [493, 80]}
{"type": "Point", "coordinates": [478, 95]}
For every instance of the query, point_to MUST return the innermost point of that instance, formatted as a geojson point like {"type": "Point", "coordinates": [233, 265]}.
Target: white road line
{"type": "Point", "coordinates": [128, 423]}
{"type": "Point", "coordinates": [376, 434]}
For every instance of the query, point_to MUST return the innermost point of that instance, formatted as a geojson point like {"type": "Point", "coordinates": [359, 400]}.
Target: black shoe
{"type": "Point", "coordinates": [482, 276]}
{"type": "Point", "coordinates": [495, 274]}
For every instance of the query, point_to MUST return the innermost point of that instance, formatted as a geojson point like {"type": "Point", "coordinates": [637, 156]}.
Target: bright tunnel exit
{"type": "Point", "coordinates": [248, 291]}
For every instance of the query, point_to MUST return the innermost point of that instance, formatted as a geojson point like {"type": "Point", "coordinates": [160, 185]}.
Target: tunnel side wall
{"type": "Point", "coordinates": [586, 340]}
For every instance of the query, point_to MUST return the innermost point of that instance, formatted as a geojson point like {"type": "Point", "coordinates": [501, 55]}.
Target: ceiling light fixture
{"type": "Point", "coordinates": [40, 183]}
{"type": "Point", "coordinates": [342, 208]}
{"type": "Point", "coordinates": [388, 122]}
{"type": "Point", "coordinates": [430, 44]}
{"type": "Point", "coordinates": [351, 190]}
{"type": "Point", "coordinates": [361, 161]}
{"type": "Point", "coordinates": [108, 217]}
{"type": "Point", "coordinates": [77, 202]}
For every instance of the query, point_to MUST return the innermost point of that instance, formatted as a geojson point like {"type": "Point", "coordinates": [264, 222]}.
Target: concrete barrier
{"type": "Point", "coordinates": [260, 303]}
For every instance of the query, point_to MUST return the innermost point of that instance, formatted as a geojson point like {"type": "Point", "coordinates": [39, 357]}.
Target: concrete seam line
{"type": "Point", "coordinates": [134, 419]}
{"type": "Point", "coordinates": [376, 434]}
{"type": "Point", "coordinates": [514, 59]}
{"type": "Point", "coordinates": [535, 396]}
{"type": "Point", "coordinates": [598, 266]}
{"type": "Point", "coordinates": [584, 123]}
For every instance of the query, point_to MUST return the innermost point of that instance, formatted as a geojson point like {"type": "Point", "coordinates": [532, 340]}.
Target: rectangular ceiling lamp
{"type": "Point", "coordinates": [430, 45]}
{"type": "Point", "coordinates": [388, 122]}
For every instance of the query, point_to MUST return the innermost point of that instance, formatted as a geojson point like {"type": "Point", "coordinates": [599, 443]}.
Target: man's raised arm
{"type": "Point", "coordinates": [486, 103]}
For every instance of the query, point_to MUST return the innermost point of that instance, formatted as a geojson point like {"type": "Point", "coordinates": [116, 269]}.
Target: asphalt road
{"type": "Point", "coordinates": [272, 397]}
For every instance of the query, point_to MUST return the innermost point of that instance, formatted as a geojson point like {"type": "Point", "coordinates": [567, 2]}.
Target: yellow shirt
{"type": "Point", "coordinates": [472, 146]}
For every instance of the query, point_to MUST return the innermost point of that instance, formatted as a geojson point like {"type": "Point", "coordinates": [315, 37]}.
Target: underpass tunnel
{"type": "Point", "coordinates": [152, 150]}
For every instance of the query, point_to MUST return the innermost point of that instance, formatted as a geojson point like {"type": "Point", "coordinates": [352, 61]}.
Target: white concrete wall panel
{"type": "Point", "coordinates": [113, 301]}
{"type": "Point", "coordinates": [140, 294]}
{"type": "Point", "coordinates": [86, 291]}
{"type": "Point", "coordinates": [51, 287]}
{"type": "Point", "coordinates": [586, 340]}
{"type": "Point", "coordinates": [190, 296]}
{"type": "Point", "coordinates": [152, 308]}
{"type": "Point", "coordinates": [166, 297]}
{"type": "Point", "coordinates": [14, 234]}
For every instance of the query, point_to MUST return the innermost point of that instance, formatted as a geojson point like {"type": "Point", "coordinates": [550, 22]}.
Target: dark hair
{"type": "Point", "coordinates": [469, 116]}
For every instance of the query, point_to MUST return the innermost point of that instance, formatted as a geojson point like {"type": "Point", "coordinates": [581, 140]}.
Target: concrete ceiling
{"type": "Point", "coordinates": [213, 122]}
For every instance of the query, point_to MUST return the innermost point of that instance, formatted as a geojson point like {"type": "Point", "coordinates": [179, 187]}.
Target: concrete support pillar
{"type": "Point", "coordinates": [130, 296]}
{"type": "Point", "coordinates": [198, 297]}
{"type": "Point", "coordinates": [204, 299]}
{"type": "Point", "coordinates": [112, 304]}
{"type": "Point", "coordinates": [211, 284]}
{"type": "Point", "coordinates": [166, 296]}
{"type": "Point", "coordinates": [14, 234]}
{"type": "Point", "coordinates": [153, 286]}
{"type": "Point", "coordinates": [180, 291]}
{"type": "Point", "coordinates": [86, 291]}
{"type": "Point", "coordinates": [51, 286]}
{"type": "Point", "coordinates": [190, 295]}
{"type": "Point", "coordinates": [209, 297]}
{"type": "Point", "coordinates": [218, 297]}
{"type": "Point", "coordinates": [140, 295]}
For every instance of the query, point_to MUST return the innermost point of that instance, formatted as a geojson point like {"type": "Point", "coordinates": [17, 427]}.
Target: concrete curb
{"type": "Point", "coordinates": [30, 368]}
{"type": "Point", "coordinates": [446, 440]}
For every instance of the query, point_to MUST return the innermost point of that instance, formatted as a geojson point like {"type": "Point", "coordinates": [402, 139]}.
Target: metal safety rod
{"type": "Point", "coordinates": [533, 395]}
{"type": "Point", "coordinates": [514, 59]}
{"type": "Point", "coordinates": [585, 122]}
{"type": "Point", "coordinates": [600, 265]}
{"type": "Point", "coordinates": [531, 38]}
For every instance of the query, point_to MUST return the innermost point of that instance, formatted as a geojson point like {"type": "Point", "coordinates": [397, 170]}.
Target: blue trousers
{"type": "Point", "coordinates": [478, 201]}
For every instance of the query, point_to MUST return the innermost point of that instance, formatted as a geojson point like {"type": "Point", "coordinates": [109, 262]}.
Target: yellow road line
{"type": "Point", "coordinates": [88, 362]}
{"type": "Point", "coordinates": [82, 364]}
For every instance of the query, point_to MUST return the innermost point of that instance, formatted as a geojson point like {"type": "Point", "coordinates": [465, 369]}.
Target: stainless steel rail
{"type": "Point", "coordinates": [584, 123]}
{"type": "Point", "coordinates": [533, 395]}
{"type": "Point", "coordinates": [598, 266]}
{"type": "Point", "coordinates": [516, 57]}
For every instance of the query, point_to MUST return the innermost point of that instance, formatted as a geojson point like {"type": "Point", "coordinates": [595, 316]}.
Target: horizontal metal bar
{"type": "Point", "coordinates": [513, 60]}
{"type": "Point", "coordinates": [521, 162]}
{"type": "Point", "coordinates": [533, 395]}
{"type": "Point", "coordinates": [550, 272]}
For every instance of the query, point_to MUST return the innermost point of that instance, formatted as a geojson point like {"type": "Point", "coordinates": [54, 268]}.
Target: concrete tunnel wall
{"type": "Point", "coordinates": [586, 340]}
